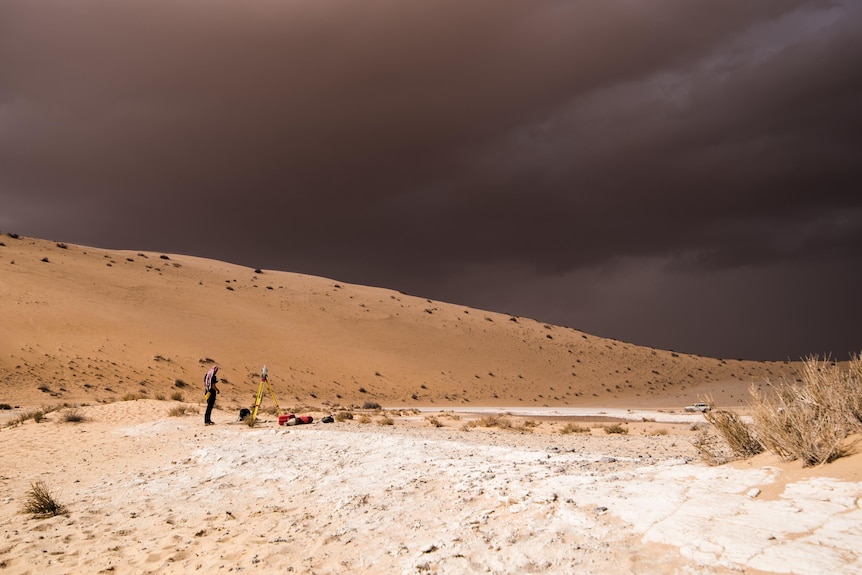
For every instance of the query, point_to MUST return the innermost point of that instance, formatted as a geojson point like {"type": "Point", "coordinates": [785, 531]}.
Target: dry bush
{"type": "Point", "coordinates": [713, 450]}
{"type": "Point", "coordinates": [364, 419]}
{"type": "Point", "coordinates": [434, 421]}
{"type": "Point", "coordinates": [741, 441]}
{"type": "Point", "coordinates": [616, 428]}
{"type": "Point", "coordinates": [343, 416]}
{"type": "Point", "coordinates": [370, 405]}
{"type": "Point", "coordinates": [40, 503]}
{"type": "Point", "coordinates": [159, 397]}
{"type": "Point", "coordinates": [177, 411]}
{"type": "Point", "coordinates": [37, 415]}
{"type": "Point", "coordinates": [809, 421]}
{"type": "Point", "coordinates": [177, 396]}
{"type": "Point", "coordinates": [491, 421]}
{"type": "Point", "coordinates": [574, 428]}
{"type": "Point", "coordinates": [659, 431]}
{"type": "Point", "coordinates": [132, 397]}
{"type": "Point", "coordinates": [72, 416]}
{"type": "Point", "coordinates": [385, 420]}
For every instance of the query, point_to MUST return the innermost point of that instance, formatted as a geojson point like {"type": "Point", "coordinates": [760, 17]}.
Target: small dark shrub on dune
{"type": "Point", "coordinates": [39, 501]}
{"type": "Point", "coordinates": [72, 416]}
{"type": "Point", "coordinates": [370, 405]}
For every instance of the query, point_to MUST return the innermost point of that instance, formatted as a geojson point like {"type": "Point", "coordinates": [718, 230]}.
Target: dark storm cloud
{"type": "Point", "coordinates": [408, 144]}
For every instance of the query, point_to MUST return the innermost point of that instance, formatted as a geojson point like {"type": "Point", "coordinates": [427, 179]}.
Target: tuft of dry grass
{"type": "Point", "coordinates": [498, 421]}
{"type": "Point", "coordinates": [364, 419]}
{"type": "Point", "coordinates": [177, 411]}
{"type": "Point", "coordinates": [616, 428]}
{"type": "Point", "coordinates": [343, 416]}
{"type": "Point", "coordinates": [713, 450]}
{"type": "Point", "coordinates": [39, 501]}
{"type": "Point", "coordinates": [177, 396]}
{"type": "Point", "coordinates": [37, 415]}
{"type": "Point", "coordinates": [385, 420]}
{"type": "Point", "coordinates": [433, 421]}
{"type": "Point", "coordinates": [810, 421]}
{"type": "Point", "coordinates": [574, 428]}
{"type": "Point", "coordinates": [741, 441]}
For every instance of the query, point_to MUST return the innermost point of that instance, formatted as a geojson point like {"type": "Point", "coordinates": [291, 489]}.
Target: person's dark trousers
{"type": "Point", "coordinates": [210, 404]}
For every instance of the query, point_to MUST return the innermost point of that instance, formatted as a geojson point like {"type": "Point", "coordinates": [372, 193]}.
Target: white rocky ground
{"type": "Point", "coordinates": [154, 494]}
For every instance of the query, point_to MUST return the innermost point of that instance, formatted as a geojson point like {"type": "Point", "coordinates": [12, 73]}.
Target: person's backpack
{"type": "Point", "coordinates": [327, 419]}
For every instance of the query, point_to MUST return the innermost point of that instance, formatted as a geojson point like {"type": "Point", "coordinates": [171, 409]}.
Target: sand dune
{"type": "Point", "coordinates": [88, 324]}
{"type": "Point", "coordinates": [410, 491]}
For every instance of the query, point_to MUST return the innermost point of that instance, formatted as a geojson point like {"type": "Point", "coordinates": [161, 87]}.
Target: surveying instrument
{"type": "Point", "coordinates": [259, 397]}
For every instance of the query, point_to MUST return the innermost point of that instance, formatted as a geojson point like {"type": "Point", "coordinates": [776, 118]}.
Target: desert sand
{"type": "Point", "coordinates": [123, 338]}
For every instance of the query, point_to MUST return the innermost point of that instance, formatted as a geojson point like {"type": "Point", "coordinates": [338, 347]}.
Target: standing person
{"type": "Point", "coordinates": [210, 381]}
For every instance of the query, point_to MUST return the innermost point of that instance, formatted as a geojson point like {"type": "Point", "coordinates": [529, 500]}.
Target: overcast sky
{"type": "Point", "coordinates": [680, 174]}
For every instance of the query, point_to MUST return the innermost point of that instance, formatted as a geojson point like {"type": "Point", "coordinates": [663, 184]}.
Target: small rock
{"type": "Point", "coordinates": [754, 492]}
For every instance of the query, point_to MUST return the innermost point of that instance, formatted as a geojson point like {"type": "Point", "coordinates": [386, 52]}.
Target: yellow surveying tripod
{"type": "Point", "coordinates": [259, 397]}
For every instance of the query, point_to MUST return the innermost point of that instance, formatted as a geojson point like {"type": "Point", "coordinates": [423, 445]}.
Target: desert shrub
{"type": "Point", "coordinates": [574, 428]}
{"type": "Point", "coordinates": [343, 416]}
{"type": "Point", "coordinates": [738, 435]}
{"type": "Point", "coordinates": [177, 396]}
{"type": "Point", "coordinates": [385, 420]}
{"type": "Point", "coordinates": [179, 383]}
{"type": "Point", "coordinates": [177, 411]}
{"type": "Point", "coordinates": [364, 419]}
{"type": "Point", "coordinates": [5, 406]}
{"type": "Point", "coordinates": [434, 421]}
{"type": "Point", "coordinates": [73, 416]}
{"type": "Point", "coordinates": [712, 449]}
{"type": "Point", "coordinates": [370, 405]}
{"type": "Point", "coordinates": [659, 431]}
{"type": "Point", "coordinates": [616, 428]}
{"type": "Point", "coordinates": [810, 421]}
{"type": "Point", "coordinates": [131, 397]}
{"type": "Point", "coordinates": [492, 421]}
{"type": "Point", "coordinates": [39, 501]}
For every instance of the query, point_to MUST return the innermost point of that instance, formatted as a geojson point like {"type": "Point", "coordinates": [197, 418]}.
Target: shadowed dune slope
{"type": "Point", "coordinates": [88, 324]}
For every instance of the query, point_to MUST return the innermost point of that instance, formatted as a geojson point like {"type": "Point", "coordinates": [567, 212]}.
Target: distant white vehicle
{"type": "Point", "coordinates": [701, 407]}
